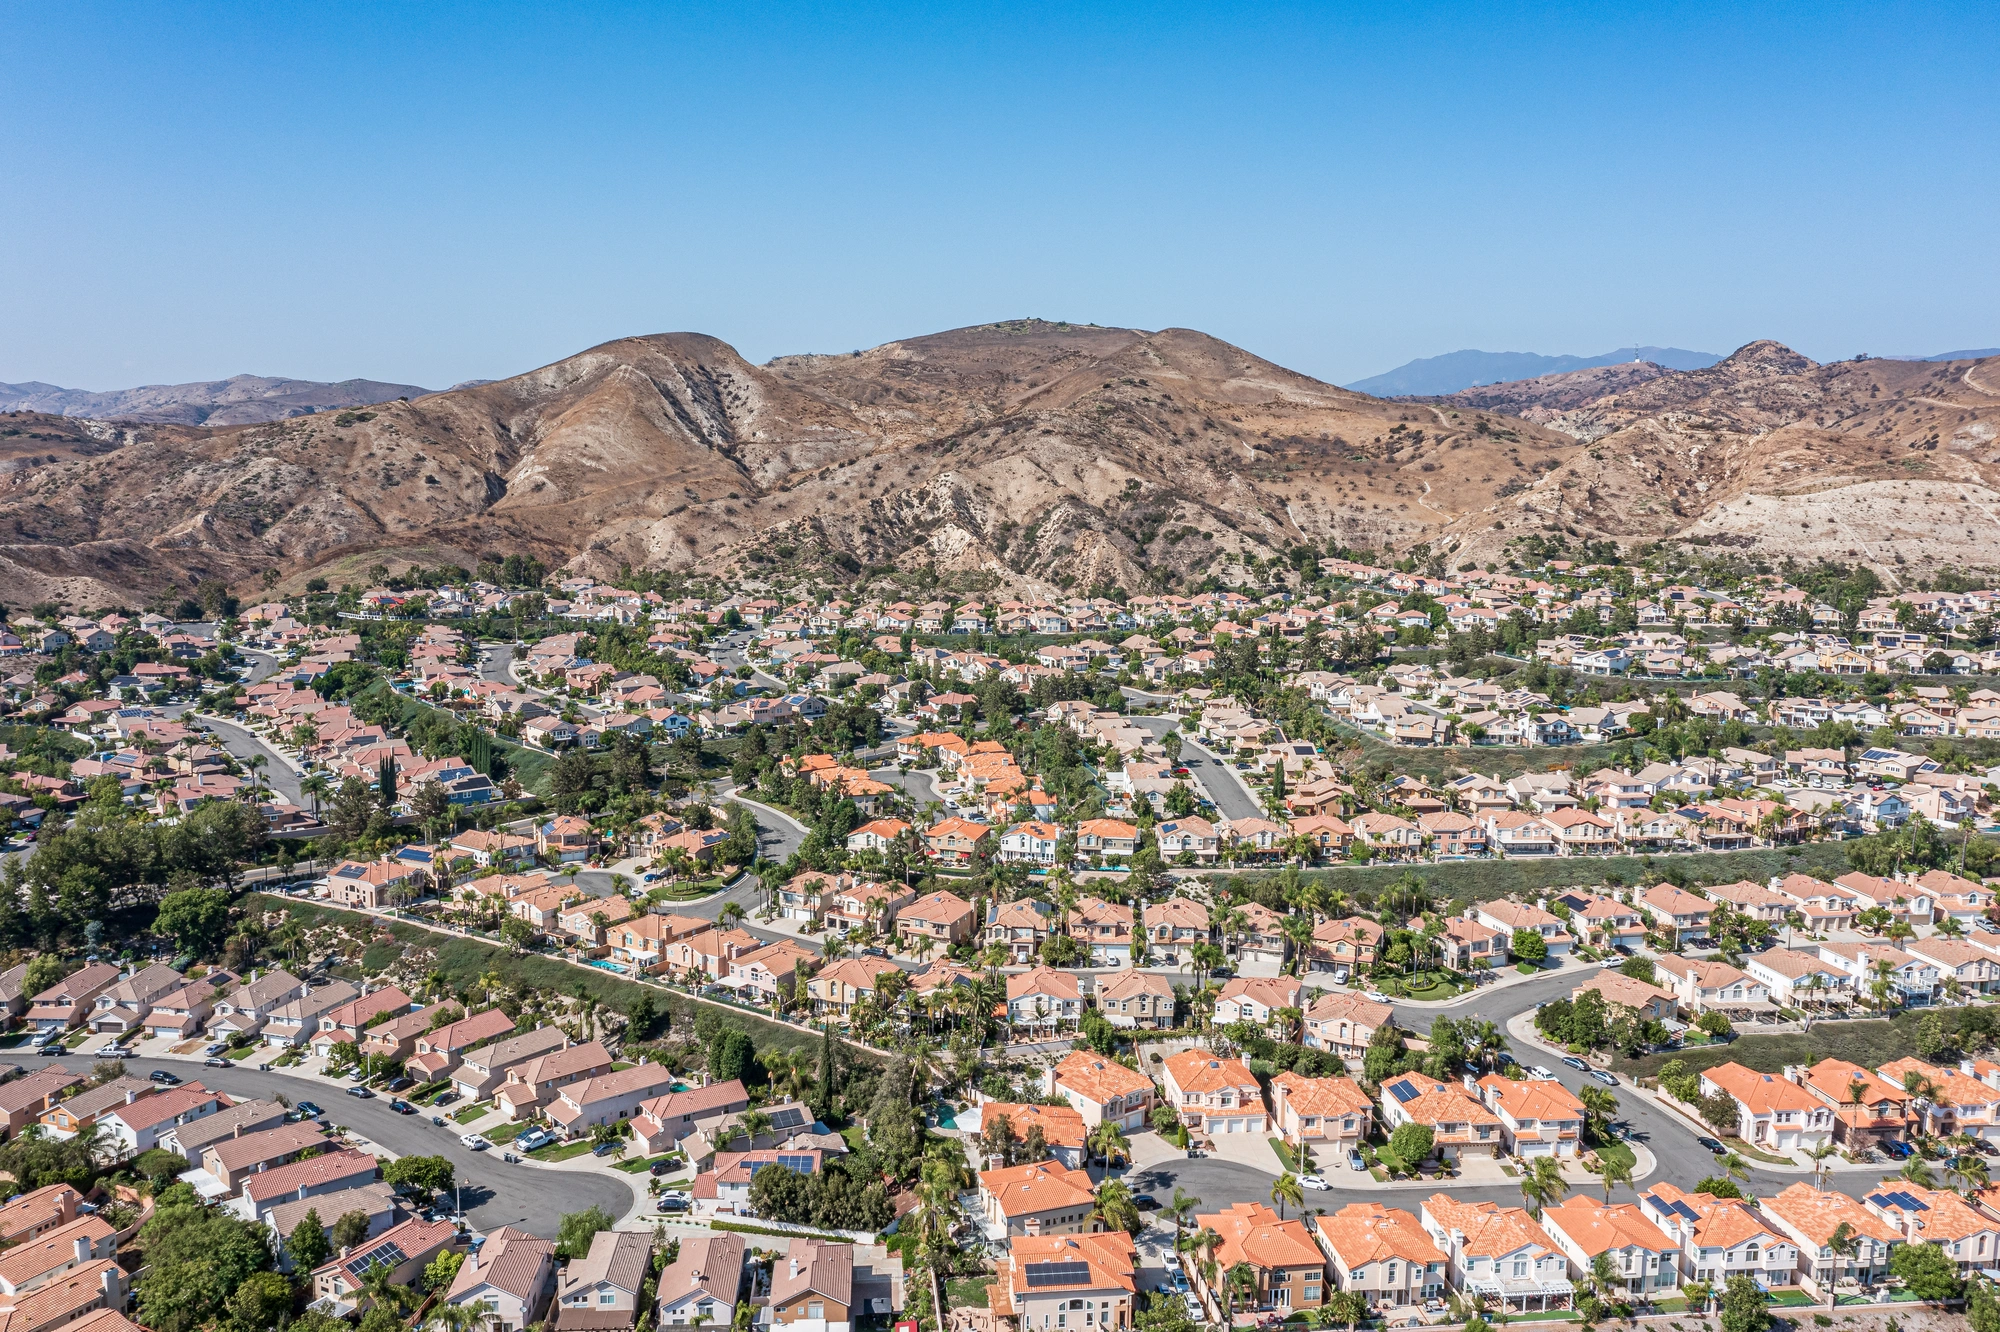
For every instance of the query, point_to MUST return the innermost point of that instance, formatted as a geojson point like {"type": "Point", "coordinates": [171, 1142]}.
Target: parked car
{"type": "Point", "coordinates": [399, 1084]}
{"type": "Point", "coordinates": [1145, 1202]}
{"type": "Point", "coordinates": [666, 1204]}
{"type": "Point", "coordinates": [444, 1098]}
{"type": "Point", "coordinates": [533, 1139]}
{"type": "Point", "coordinates": [1313, 1182]}
{"type": "Point", "coordinates": [1714, 1147]}
{"type": "Point", "coordinates": [402, 1107]}
{"type": "Point", "coordinates": [161, 1075]}
{"type": "Point", "coordinates": [361, 1093]}
{"type": "Point", "coordinates": [604, 1149]}
{"type": "Point", "coordinates": [215, 1049]}
{"type": "Point", "coordinates": [214, 1061]}
{"type": "Point", "coordinates": [309, 1110]}
{"type": "Point", "coordinates": [473, 1141]}
{"type": "Point", "coordinates": [1540, 1074]}
{"type": "Point", "coordinates": [1608, 1079]}
{"type": "Point", "coordinates": [1354, 1161]}
{"type": "Point", "coordinates": [659, 1168]}
{"type": "Point", "coordinates": [1377, 997]}
{"type": "Point", "coordinates": [1575, 1063]}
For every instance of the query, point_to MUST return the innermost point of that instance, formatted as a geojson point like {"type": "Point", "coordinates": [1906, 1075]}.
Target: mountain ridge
{"type": "Point", "coordinates": [1432, 376]}
{"type": "Point", "coordinates": [1023, 455]}
{"type": "Point", "coordinates": [238, 400]}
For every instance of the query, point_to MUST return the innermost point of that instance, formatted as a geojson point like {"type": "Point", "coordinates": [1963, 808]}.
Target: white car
{"type": "Point", "coordinates": [1540, 1074]}
{"type": "Point", "coordinates": [1377, 997]}
{"type": "Point", "coordinates": [1313, 1182]}
{"type": "Point", "coordinates": [474, 1141]}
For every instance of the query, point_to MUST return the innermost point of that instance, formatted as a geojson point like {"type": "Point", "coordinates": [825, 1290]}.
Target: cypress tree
{"type": "Point", "coordinates": [824, 1088]}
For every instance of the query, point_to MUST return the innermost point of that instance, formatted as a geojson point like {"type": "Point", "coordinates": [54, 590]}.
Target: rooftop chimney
{"type": "Point", "coordinates": [82, 1245]}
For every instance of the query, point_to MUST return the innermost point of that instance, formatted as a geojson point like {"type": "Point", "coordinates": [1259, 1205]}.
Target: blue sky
{"type": "Point", "coordinates": [428, 193]}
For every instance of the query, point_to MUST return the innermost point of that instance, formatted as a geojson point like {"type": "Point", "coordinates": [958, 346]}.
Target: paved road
{"type": "Point", "coordinates": [1215, 778]}
{"type": "Point", "coordinates": [493, 1193]}
{"type": "Point", "coordinates": [243, 744]}
{"type": "Point", "coordinates": [493, 659]}
{"type": "Point", "coordinates": [918, 786]}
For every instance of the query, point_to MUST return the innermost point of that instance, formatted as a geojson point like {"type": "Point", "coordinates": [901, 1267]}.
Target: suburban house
{"type": "Point", "coordinates": [665, 1120]}
{"type": "Point", "coordinates": [1680, 915]}
{"type": "Point", "coordinates": [1044, 997]}
{"type": "Point", "coordinates": [482, 1071]}
{"type": "Point", "coordinates": [607, 1098]}
{"type": "Point", "coordinates": [943, 917]}
{"type": "Point", "coordinates": [1809, 1217]}
{"type": "Point", "coordinates": [1137, 999]}
{"type": "Point", "coordinates": [512, 1277]}
{"type": "Point", "coordinates": [1255, 999]}
{"type": "Point", "coordinates": [1343, 1024]}
{"type": "Point", "coordinates": [1289, 1269]}
{"type": "Point", "coordinates": [1313, 1111]}
{"type": "Point", "coordinates": [1644, 1259]}
{"type": "Point", "coordinates": [1508, 917]}
{"type": "Point", "coordinates": [1214, 1095]}
{"type": "Point", "coordinates": [700, 1287]}
{"type": "Point", "coordinates": [1536, 1118]}
{"type": "Point", "coordinates": [1772, 1111]}
{"type": "Point", "coordinates": [1498, 1252]}
{"type": "Point", "coordinates": [1460, 1125]}
{"type": "Point", "coordinates": [1102, 1089]}
{"type": "Point", "coordinates": [1382, 1253]}
{"type": "Point", "coordinates": [1043, 1281]}
{"type": "Point", "coordinates": [1704, 986]}
{"type": "Point", "coordinates": [1867, 1109]}
{"type": "Point", "coordinates": [1040, 1198]}
{"type": "Point", "coordinates": [605, 1282]}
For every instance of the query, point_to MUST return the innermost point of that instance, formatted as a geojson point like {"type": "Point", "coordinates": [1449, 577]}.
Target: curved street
{"type": "Point", "coordinates": [527, 1194]}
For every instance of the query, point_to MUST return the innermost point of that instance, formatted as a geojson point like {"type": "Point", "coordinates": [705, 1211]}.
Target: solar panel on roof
{"type": "Point", "coordinates": [1679, 1208]}
{"type": "Point", "coordinates": [1057, 1274]}
{"type": "Point", "coordinates": [1403, 1092]}
{"type": "Point", "coordinates": [390, 1253]}
{"type": "Point", "coordinates": [802, 1164]}
{"type": "Point", "coordinates": [1908, 1202]}
{"type": "Point", "coordinates": [791, 1117]}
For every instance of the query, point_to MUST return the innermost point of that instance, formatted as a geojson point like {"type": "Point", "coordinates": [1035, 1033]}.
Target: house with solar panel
{"type": "Point", "coordinates": [1968, 1234]}
{"type": "Point", "coordinates": [406, 1248]}
{"type": "Point", "coordinates": [1460, 1126]}
{"type": "Point", "coordinates": [1809, 1218]}
{"type": "Point", "coordinates": [726, 1187]}
{"type": "Point", "coordinates": [512, 1277]}
{"type": "Point", "coordinates": [1060, 1281]}
{"type": "Point", "coordinates": [1720, 1238]}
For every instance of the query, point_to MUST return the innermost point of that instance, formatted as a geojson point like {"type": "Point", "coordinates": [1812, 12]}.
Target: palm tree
{"type": "Point", "coordinates": [1697, 1294]}
{"type": "Point", "coordinates": [1346, 1307]}
{"type": "Point", "coordinates": [1287, 1190]}
{"type": "Point", "coordinates": [1844, 1243]}
{"type": "Point", "coordinates": [1180, 1207]}
{"type": "Point", "coordinates": [1109, 1141]}
{"type": "Point", "coordinates": [315, 788]}
{"type": "Point", "coordinates": [1242, 1281]}
{"type": "Point", "coordinates": [1918, 1173]}
{"type": "Point", "coordinates": [1819, 1157]}
{"type": "Point", "coordinates": [379, 1284]}
{"type": "Point", "coordinates": [1971, 1172]}
{"type": "Point", "coordinates": [1613, 1172]}
{"type": "Point", "coordinates": [456, 1317]}
{"type": "Point", "coordinates": [1542, 1183]}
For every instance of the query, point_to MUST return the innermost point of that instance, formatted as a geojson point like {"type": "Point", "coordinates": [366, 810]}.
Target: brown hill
{"type": "Point", "coordinates": [1049, 455]}
{"type": "Point", "coordinates": [238, 400]}
{"type": "Point", "coordinates": [1890, 462]}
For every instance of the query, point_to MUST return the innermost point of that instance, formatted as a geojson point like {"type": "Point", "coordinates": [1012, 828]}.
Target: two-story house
{"type": "Point", "coordinates": [1214, 1095]}
{"type": "Point", "coordinates": [1706, 985]}
{"type": "Point", "coordinates": [1644, 1259]}
{"type": "Point", "coordinates": [1173, 928]}
{"type": "Point", "coordinates": [1498, 1252]}
{"type": "Point", "coordinates": [1460, 1124]}
{"type": "Point", "coordinates": [1100, 1089]}
{"type": "Point", "coordinates": [1142, 999]}
{"type": "Point", "coordinates": [1809, 1217]}
{"type": "Point", "coordinates": [1867, 1109]}
{"type": "Point", "coordinates": [1680, 915]}
{"type": "Point", "coordinates": [1381, 1253]}
{"type": "Point", "coordinates": [1508, 917]}
{"type": "Point", "coordinates": [1321, 1111]}
{"type": "Point", "coordinates": [1045, 999]}
{"type": "Point", "coordinates": [1536, 1118]}
{"type": "Point", "coordinates": [1282, 1256]}
{"type": "Point", "coordinates": [1772, 1111]}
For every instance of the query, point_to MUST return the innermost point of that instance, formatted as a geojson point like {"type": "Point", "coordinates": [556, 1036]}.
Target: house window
{"type": "Point", "coordinates": [816, 1310]}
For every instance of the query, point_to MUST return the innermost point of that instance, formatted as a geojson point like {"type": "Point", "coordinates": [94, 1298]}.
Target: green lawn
{"type": "Point", "coordinates": [967, 1292]}
{"type": "Point", "coordinates": [1742, 1148]}
{"type": "Point", "coordinates": [1285, 1157]}
{"type": "Point", "coordinates": [1868, 1042]}
{"type": "Point", "coordinates": [561, 1151]}
{"type": "Point", "coordinates": [505, 1133]}
{"type": "Point", "coordinates": [467, 1113]}
{"type": "Point", "coordinates": [638, 1165]}
{"type": "Point", "coordinates": [241, 1052]}
{"type": "Point", "coordinates": [1618, 1152]}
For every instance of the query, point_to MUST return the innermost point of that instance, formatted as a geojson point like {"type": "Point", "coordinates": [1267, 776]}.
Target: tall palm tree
{"type": "Point", "coordinates": [1542, 1183]}
{"type": "Point", "coordinates": [1109, 1142]}
{"type": "Point", "coordinates": [1287, 1190]}
{"type": "Point", "coordinates": [1180, 1207]}
{"type": "Point", "coordinates": [1613, 1173]}
{"type": "Point", "coordinates": [1819, 1157]}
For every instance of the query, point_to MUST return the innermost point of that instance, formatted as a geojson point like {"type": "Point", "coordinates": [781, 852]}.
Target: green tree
{"type": "Point", "coordinates": [198, 1260]}
{"type": "Point", "coordinates": [194, 918]}
{"type": "Point", "coordinates": [1927, 1271]}
{"type": "Point", "coordinates": [574, 1232]}
{"type": "Point", "coordinates": [419, 1175]}
{"type": "Point", "coordinates": [263, 1300]}
{"type": "Point", "coordinates": [307, 1245]}
{"type": "Point", "coordinates": [1288, 1190]}
{"type": "Point", "coordinates": [349, 1229]}
{"type": "Point", "coordinates": [1529, 945]}
{"type": "Point", "coordinates": [1743, 1307]}
{"type": "Point", "coordinates": [442, 1270]}
{"type": "Point", "coordinates": [1410, 1145]}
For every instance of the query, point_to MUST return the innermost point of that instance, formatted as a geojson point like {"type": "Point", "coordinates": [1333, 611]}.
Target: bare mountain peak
{"type": "Point", "coordinates": [1766, 356]}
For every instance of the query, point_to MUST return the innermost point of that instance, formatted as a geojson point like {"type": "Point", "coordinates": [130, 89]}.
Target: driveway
{"type": "Point", "coordinates": [1216, 779]}
{"type": "Point", "coordinates": [494, 1193]}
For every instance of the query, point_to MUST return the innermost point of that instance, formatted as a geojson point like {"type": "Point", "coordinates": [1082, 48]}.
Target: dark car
{"type": "Point", "coordinates": [361, 1093]}
{"type": "Point", "coordinates": [402, 1107]}
{"type": "Point", "coordinates": [1145, 1202]}
{"type": "Point", "coordinates": [399, 1084]}
{"type": "Point", "coordinates": [659, 1168]}
{"type": "Point", "coordinates": [445, 1098]}
{"type": "Point", "coordinates": [309, 1110]}
{"type": "Point", "coordinates": [1713, 1146]}
{"type": "Point", "coordinates": [438, 1120]}
{"type": "Point", "coordinates": [604, 1149]}
{"type": "Point", "coordinates": [1900, 1150]}
{"type": "Point", "coordinates": [161, 1075]}
{"type": "Point", "coordinates": [672, 1204]}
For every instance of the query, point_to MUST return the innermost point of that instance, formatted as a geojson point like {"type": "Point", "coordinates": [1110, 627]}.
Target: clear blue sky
{"type": "Point", "coordinates": [426, 194]}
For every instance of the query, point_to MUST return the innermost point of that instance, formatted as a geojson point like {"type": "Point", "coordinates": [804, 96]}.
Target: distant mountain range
{"type": "Point", "coordinates": [1435, 376]}
{"type": "Point", "coordinates": [1431, 376]}
{"type": "Point", "coordinates": [241, 400]}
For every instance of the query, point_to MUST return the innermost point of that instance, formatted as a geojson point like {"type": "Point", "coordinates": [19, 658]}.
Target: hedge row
{"type": "Point", "coordinates": [463, 961]}
{"type": "Point", "coordinates": [1485, 880]}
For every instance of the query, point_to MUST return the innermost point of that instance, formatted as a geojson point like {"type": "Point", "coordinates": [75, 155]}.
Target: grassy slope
{"type": "Point", "coordinates": [464, 960]}
{"type": "Point", "coordinates": [1867, 1043]}
{"type": "Point", "coordinates": [1485, 880]}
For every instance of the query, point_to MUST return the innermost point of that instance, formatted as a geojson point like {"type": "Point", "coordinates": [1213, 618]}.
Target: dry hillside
{"type": "Point", "coordinates": [1052, 455]}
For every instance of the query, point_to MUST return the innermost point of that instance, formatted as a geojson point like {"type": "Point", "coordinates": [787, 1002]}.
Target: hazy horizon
{"type": "Point", "coordinates": [434, 195]}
